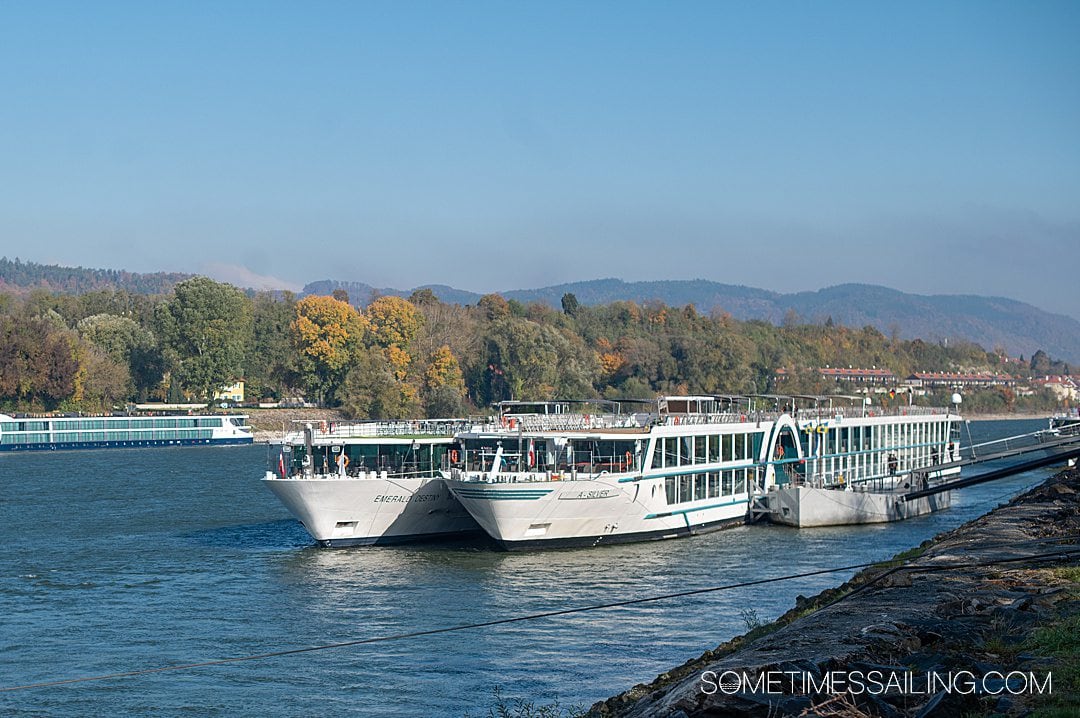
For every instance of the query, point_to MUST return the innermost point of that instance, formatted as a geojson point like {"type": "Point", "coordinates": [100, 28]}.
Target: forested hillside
{"type": "Point", "coordinates": [419, 356]}
{"type": "Point", "coordinates": [18, 277]}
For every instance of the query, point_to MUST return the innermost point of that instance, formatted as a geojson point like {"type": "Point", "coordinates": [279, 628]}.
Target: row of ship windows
{"type": "Point", "coordinates": [862, 438]}
{"type": "Point", "coordinates": [84, 436]}
{"type": "Point", "coordinates": [709, 449]}
{"type": "Point", "coordinates": [110, 424]}
{"type": "Point", "coordinates": [712, 485]}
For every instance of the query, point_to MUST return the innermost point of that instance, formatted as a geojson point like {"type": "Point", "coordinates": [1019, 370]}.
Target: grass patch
{"type": "Point", "coordinates": [520, 708]}
{"type": "Point", "coordinates": [910, 553]}
{"type": "Point", "coordinates": [1060, 641]}
{"type": "Point", "coordinates": [1068, 573]}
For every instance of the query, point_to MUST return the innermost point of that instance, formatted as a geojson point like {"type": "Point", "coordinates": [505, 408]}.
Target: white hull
{"type": "Point", "coordinates": [544, 513]}
{"type": "Point", "coordinates": [806, 507]}
{"type": "Point", "coordinates": [345, 511]}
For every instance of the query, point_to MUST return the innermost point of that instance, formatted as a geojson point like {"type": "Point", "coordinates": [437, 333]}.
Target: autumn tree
{"type": "Point", "coordinates": [394, 322]}
{"type": "Point", "coordinates": [105, 381]}
{"type": "Point", "coordinates": [444, 384]}
{"type": "Point", "coordinates": [326, 333]}
{"type": "Point", "coordinates": [39, 364]}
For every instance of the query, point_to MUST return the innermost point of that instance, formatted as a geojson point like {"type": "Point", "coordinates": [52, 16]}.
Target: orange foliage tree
{"type": "Point", "coordinates": [326, 332]}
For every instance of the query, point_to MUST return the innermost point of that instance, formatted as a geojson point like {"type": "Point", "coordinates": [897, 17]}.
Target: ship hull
{"type": "Point", "coordinates": [807, 507]}
{"type": "Point", "coordinates": [564, 514]}
{"type": "Point", "coordinates": [70, 445]}
{"type": "Point", "coordinates": [345, 511]}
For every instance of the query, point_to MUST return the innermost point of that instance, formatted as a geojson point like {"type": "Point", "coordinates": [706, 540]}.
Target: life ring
{"type": "Point", "coordinates": [344, 461]}
{"type": "Point", "coordinates": [453, 456]}
{"type": "Point", "coordinates": [629, 458]}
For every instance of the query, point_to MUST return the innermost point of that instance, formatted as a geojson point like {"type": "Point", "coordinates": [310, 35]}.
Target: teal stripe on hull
{"type": "Point", "coordinates": [510, 494]}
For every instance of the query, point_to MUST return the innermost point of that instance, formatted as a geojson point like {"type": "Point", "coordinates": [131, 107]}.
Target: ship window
{"type": "Point", "coordinates": [700, 486]}
{"type": "Point", "coordinates": [740, 481]}
{"type": "Point", "coordinates": [728, 450]}
{"type": "Point", "coordinates": [700, 444]}
{"type": "Point", "coordinates": [727, 481]}
{"type": "Point", "coordinates": [670, 490]}
{"type": "Point", "coordinates": [686, 455]}
{"type": "Point", "coordinates": [740, 447]}
{"type": "Point", "coordinates": [714, 448]}
{"type": "Point", "coordinates": [671, 451]}
{"type": "Point", "coordinates": [714, 485]}
{"type": "Point", "coordinates": [686, 488]}
{"type": "Point", "coordinates": [757, 441]}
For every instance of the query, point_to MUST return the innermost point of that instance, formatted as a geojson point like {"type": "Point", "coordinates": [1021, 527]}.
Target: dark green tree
{"type": "Point", "coordinates": [204, 328]}
{"type": "Point", "coordinates": [570, 304]}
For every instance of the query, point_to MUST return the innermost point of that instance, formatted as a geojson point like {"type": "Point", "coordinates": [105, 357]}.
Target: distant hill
{"type": "Point", "coordinates": [20, 277]}
{"type": "Point", "coordinates": [992, 322]}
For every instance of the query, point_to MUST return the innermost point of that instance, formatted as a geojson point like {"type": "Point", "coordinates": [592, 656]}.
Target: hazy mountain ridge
{"type": "Point", "coordinates": [992, 322]}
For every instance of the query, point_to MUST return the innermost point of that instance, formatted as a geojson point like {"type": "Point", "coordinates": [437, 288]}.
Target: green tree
{"type": "Point", "coordinates": [270, 366]}
{"type": "Point", "coordinates": [371, 391]}
{"type": "Point", "coordinates": [205, 327]}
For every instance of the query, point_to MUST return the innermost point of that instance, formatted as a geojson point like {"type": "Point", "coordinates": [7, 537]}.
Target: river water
{"type": "Point", "coordinates": [122, 560]}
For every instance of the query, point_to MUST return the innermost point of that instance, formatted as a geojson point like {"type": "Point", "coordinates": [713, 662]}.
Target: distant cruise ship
{"type": "Point", "coordinates": [44, 433]}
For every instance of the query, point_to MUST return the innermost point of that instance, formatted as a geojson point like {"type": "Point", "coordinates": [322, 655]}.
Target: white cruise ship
{"type": "Point", "coordinates": [354, 484]}
{"type": "Point", "coordinates": [564, 477]}
{"type": "Point", "coordinates": [49, 432]}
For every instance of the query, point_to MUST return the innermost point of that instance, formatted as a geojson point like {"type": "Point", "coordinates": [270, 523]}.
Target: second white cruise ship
{"type": "Point", "coordinates": [557, 474]}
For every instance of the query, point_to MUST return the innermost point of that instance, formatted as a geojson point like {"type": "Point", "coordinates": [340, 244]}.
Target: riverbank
{"type": "Point", "coordinates": [931, 634]}
{"type": "Point", "coordinates": [1041, 416]}
{"type": "Point", "coordinates": [270, 424]}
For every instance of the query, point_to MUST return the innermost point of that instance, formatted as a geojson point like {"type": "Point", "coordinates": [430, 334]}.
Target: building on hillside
{"type": "Point", "coordinates": [234, 392]}
{"type": "Point", "coordinates": [1063, 387]}
{"type": "Point", "coordinates": [868, 377]}
{"type": "Point", "coordinates": [952, 380]}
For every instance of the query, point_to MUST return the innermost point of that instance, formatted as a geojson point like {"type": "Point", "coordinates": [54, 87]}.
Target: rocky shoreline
{"type": "Point", "coordinates": [952, 628]}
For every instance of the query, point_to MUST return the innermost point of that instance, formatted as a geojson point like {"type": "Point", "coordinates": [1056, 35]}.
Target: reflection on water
{"type": "Point", "coordinates": [118, 560]}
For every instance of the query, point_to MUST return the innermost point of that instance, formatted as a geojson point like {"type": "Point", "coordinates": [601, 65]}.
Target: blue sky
{"type": "Point", "coordinates": [933, 147]}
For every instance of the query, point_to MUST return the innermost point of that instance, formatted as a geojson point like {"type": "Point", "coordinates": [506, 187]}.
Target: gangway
{"type": "Point", "coordinates": [1067, 440]}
